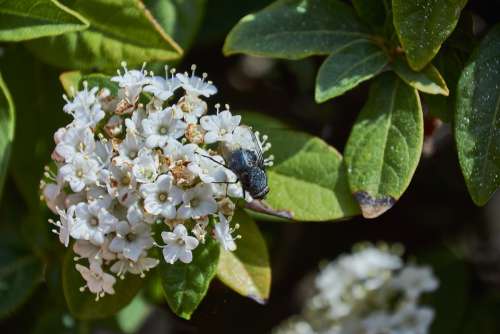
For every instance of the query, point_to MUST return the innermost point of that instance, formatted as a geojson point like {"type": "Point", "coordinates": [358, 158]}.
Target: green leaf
{"type": "Point", "coordinates": [385, 144]}
{"type": "Point", "coordinates": [120, 30]}
{"type": "Point", "coordinates": [20, 273]}
{"type": "Point", "coordinates": [477, 119]}
{"type": "Point", "coordinates": [99, 80]}
{"type": "Point", "coordinates": [295, 29]}
{"type": "Point", "coordinates": [185, 285]}
{"type": "Point", "coordinates": [29, 19]}
{"type": "Point", "coordinates": [422, 26]}
{"type": "Point", "coordinates": [450, 64]}
{"type": "Point", "coordinates": [246, 270]}
{"type": "Point", "coordinates": [132, 317]}
{"type": "Point", "coordinates": [308, 179]}
{"type": "Point", "coordinates": [83, 304]}
{"type": "Point", "coordinates": [7, 121]}
{"type": "Point", "coordinates": [372, 12]}
{"type": "Point", "coordinates": [70, 80]}
{"type": "Point", "coordinates": [427, 80]}
{"type": "Point", "coordinates": [347, 67]}
{"type": "Point", "coordinates": [181, 19]}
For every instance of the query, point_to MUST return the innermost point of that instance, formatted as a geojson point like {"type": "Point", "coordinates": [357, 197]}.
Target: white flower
{"type": "Point", "coordinates": [197, 202]}
{"type": "Point", "coordinates": [81, 172]}
{"type": "Point", "coordinates": [98, 197]}
{"type": "Point", "coordinates": [54, 196]}
{"type": "Point", "coordinates": [75, 140]}
{"type": "Point", "coordinates": [98, 281]}
{"type": "Point", "coordinates": [139, 267]}
{"type": "Point", "coordinates": [162, 87]}
{"type": "Point", "coordinates": [208, 168]}
{"type": "Point", "coordinates": [65, 224]}
{"type": "Point", "coordinates": [120, 182]}
{"type": "Point", "coordinates": [411, 319]}
{"type": "Point", "coordinates": [220, 127]}
{"type": "Point", "coordinates": [132, 81]}
{"type": "Point", "coordinates": [145, 169]}
{"type": "Point", "coordinates": [134, 123]}
{"type": "Point", "coordinates": [192, 108]}
{"type": "Point", "coordinates": [176, 151]}
{"type": "Point", "coordinates": [87, 250]}
{"type": "Point", "coordinates": [194, 85]}
{"type": "Point", "coordinates": [414, 280]}
{"type": "Point", "coordinates": [128, 149]}
{"type": "Point", "coordinates": [179, 245]}
{"type": "Point", "coordinates": [161, 197]}
{"type": "Point", "coordinates": [92, 223]}
{"type": "Point", "coordinates": [85, 107]}
{"type": "Point", "coordinates": [223, 234]}
{"type": "Point", "coordinates": [131, 239]}
{"type": "Point", "coordinates": [161, 126]}
{"type": "Point", "coordinates": [103, 153]}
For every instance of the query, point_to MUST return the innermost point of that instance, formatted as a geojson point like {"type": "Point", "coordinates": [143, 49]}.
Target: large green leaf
{"type": "Point", "coordinates": [246, 270]}
{"type": "Point", "coordinates": [294, 29]}
{"type": "Point", "coordinates": [83, 304]}
{"type": "Point", "coordinates": [427, 80]}
{"type": "Point", "coordinates": [7, 120]}
{"type": "Point", "coordinates": [29, 19]}
{"type": "Point", "coordinates": [185, 285]}
{"type": "Point", "coordinates": [385, 144]}
{"type": "Point", "coordinates": [423, 25]}
{"type": "Point", "coordinates": [347, 67]}
{"type": "Point", "coordinates": [181, 19]}
{"type": "Point", "coordinates": [477, 119]}
{"type": "Point", "coordinates": [20, 273]}
{"type": "Point", "coordinates": [308, 179]}
{"type": "Point", "coordinates": [120, 30]}
{"type": "Point", "coordinates": [372, 12]}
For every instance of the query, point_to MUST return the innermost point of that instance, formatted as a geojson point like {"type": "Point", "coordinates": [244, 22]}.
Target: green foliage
{"type": "Point", "coordinates": [348, 67]}
{"type": "Point", "coordinates": [246, 270]}
{"type": "Point", "coordinates": [373, 12]}
{"type": "Point", "coordinates": [385, 144]}
{"type": "Point", "coordinates": [422, 27]}
{"type": "Point", "coordinates": [185, 285]}
{"type": "Point", "coordinates": [7, 120]}
{"type": "Point", "coordinates": [83, 305]}
{"type": "Point", "coordinates": [477, 119]}
{"type": "Point", "coordinates": [119, 30]}
{"type": "Point", "coordinates": [29, 19]}
{"type": "Point", "coordinates": [295, 29]}
{"type": "Point", "coordinates": [428, 80]}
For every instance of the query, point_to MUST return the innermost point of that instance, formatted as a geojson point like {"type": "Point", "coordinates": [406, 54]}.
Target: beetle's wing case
{"type": "Point", "coordinates": [243, 138]}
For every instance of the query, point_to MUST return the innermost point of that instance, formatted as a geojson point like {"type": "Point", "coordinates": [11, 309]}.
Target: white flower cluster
{"type": "Point", "coordinates": [137, 158]}
{"type": "Point", "coordinates": [370, 291]}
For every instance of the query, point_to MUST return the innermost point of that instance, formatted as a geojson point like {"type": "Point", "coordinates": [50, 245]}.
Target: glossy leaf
{"type": "Point", "coordinates": [246, 270]}
{"type": "Point", "coordinates": [422, 26]}
{"type": "Point", "coordinates": [308, 179]}
{"type": "Point", "coordinates": [180, 19]}
{"type": "Point", "coordinates": [20, 273]}
{"type": "Point", "coordinates": [385, 144]}
{"type": "Point", "coordinates": [29, 19]}
{"type": "Point", "coordinates": [185, 285]}
{"type": "Point", "coordinates": [428, 80]}
{"type": "Point", "coordinates": [477, 119]}
{"type": "Point", "coordinates": [120, 30]}
{"type": "Point", "coordinates": [7, 121]}
{"type": "Point", "coordinates": [346, 68]}
{"type": "Point", "coordinates": [294, 29]}
{"type": "Point", "coordinates": [83, 304]}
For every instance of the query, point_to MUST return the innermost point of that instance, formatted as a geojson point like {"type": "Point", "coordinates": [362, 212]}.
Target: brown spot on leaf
{"type": "Point", "coordinates": [373, 207]}
{"type": "Point", "coordinates": [259, 206]}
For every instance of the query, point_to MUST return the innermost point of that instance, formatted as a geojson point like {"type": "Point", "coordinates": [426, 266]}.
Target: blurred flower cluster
{"type": "Point", "coordinates": [370, 291]}
{"type": "Point", "coordinates": [144, 158]}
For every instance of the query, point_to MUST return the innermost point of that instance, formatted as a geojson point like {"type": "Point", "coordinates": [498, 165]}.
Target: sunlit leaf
{"type": "Point", "coordinates": [29, 19]}
{"type": "Point", "coordinates": [120, 30]}
{"type": "Point", "coordinates": [7, 121]}
{"type": "Point", "coordinates": [296, 29]}
{"type": "Point", "coordinates": [422, 26]}
{"type": "Point", "coordinates": [477, 119]}
{"type": "Point", "coordinates": [246, 270]}
{"type": "Point", "coordinates": [385, 144]}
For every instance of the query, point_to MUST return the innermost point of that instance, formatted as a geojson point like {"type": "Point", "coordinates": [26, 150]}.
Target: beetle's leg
{"type": "Point", "coordinates": [209, 157]}
{"type": "Point", "coordinates": [227, 183]}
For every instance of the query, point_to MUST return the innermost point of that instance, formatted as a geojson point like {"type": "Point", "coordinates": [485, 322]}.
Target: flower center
{"type": "Point", "coordinates": [79, 173]}
{"type": "Point", "coordinates": [132, 154]}
{"type": "Point", "coordinates": [94, 221]}
{"type": "Point", "coordinates": [195, 202]}
{"type": "Point", "coordinates": [130, 237]}
{"type": "Point", "coordinates": [162, 197]}
{"type": "Point", "coordinates": [181, 242]}
{"type": "Point", "coordinates": [125, 180]}
{"type": "Point", "coordinates": [163, 130]}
